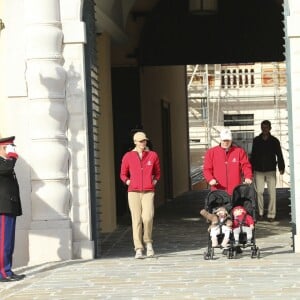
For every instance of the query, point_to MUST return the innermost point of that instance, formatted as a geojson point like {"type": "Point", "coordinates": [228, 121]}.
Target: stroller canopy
{"type": "Point", "coordinates": [244, 195]}
{"type": "Point", "coordinates": [217, 198]}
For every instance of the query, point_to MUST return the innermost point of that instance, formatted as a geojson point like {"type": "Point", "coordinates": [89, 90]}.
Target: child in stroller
{"type": "Point", "coordinates": [220, 232]}
{"type": "Point", "coordinates": [242, 226]}
{"type": "Point", "coordinates": [244, 217]}
{"type": "Point", "coordinates": [220, 224]}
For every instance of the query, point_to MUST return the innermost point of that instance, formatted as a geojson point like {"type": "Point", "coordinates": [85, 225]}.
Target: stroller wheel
{"type": "Point", "coordinates": [258, 253]}
{"type": "Point", "coordinates": [230, 254]}
{"type": "Point", "coordinates": [206, 256]}
{"type": "Point", "coordinates": [209, 254]}
{"type": "Point", "coordinates": [255, 252]}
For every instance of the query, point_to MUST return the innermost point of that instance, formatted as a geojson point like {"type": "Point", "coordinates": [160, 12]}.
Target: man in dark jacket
{"type": "Point", "coordinates": [266, 154]}
{"type": "Point", "coordinates": [10, 208]}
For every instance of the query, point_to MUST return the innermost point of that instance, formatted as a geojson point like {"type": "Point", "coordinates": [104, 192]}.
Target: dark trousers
{"type": "Point", "coordinates": [7, 243]}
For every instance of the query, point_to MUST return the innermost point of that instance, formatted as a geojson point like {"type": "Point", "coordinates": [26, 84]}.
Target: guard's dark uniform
{"type": "Point", "coordinates": [10, 208]}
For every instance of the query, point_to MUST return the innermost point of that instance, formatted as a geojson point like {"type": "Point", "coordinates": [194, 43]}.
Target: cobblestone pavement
{"type": "Point", "coordinates": [178, 270]}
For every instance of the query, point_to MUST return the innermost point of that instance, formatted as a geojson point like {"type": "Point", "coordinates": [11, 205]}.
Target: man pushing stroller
{"type": "Point", "coordinates": [224, 164]}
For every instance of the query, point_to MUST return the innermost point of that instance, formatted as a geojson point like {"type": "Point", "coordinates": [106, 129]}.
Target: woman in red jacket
{"type": "Point", "coordinates": [140, 171]}
{"type": "Point", "coordinates": [225, 164]}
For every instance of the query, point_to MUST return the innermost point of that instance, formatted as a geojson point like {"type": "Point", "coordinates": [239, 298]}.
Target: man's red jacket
{"type": "Point", "coordinates": [227, 167]}
{"type": "Point", "coordinates": [140, 172]}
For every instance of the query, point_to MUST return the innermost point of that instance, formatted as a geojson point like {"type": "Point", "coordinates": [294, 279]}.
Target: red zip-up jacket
{"type": "Point", "coordinates": [227, 167]}
{"type": "Point", "coordinates": [140, 171]}
{"type": "Point", "coordinates": [242, 220]}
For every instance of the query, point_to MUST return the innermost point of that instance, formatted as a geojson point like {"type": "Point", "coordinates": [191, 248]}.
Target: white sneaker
{"type": "Point", "coordinates": [150, 251]}
{"type": "Point", "coordinates": [138, 254]}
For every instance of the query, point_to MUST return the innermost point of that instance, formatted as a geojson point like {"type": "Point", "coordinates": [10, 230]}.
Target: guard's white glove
{"type": "Point", "coordinates": [10, 149]}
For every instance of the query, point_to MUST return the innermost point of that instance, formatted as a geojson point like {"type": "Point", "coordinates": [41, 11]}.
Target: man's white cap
{"type": "Point", "coordinates": [226, 134]}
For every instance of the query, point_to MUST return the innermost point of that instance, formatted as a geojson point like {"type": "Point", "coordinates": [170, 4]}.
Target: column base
{"type": "Point", "coordinates": [50, 241]}
{"type": "Point", "coordinates": [83, 249]}
{"type": "Point", "coordinates": [296, 238]}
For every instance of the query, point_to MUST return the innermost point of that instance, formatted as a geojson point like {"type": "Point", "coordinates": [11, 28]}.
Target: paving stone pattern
{"type": "Point", "coordinates": [178, 270]}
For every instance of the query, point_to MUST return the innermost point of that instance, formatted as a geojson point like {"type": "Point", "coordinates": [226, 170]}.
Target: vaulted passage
{"type": "Point", "coordinates": [240, 31]}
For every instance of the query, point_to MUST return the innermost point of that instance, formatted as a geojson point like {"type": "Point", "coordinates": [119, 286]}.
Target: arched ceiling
{"type": "Point", "coordinates": [164, 32]}
{"type": "Point", "coordinates": [113, 16]}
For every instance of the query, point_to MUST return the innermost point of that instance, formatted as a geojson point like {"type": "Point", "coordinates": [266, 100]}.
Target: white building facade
{"type": "Point", "coordinates": [43, 98]}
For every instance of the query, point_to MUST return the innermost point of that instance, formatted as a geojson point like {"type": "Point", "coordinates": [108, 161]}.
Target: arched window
{"type": "Point", "coordinates": [228, 78]}
{"type": "Point", "coordinates": [234, 79]}
{"type": "Point", "coordinates": [240, 78]}
{"type": "Point", "coordinates": [223, 78]}
{"type": "Point", "coordinates": [246, 78]}
{"type": "Point", "coordinates": [252, 77]}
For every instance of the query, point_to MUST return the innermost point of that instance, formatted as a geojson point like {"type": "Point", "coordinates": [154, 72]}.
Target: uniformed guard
{"type": "Point", "coordinates": [10, 208]}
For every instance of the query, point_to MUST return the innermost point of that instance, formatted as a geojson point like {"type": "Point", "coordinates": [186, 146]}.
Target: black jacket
{"type": "Point", "coordinates": [10, 202]}
{"type": "Point", "coordinates": [266, 154]}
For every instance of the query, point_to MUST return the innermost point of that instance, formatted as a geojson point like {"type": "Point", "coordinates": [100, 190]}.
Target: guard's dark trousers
{"type": "Point", "coordinates": [7, 243]}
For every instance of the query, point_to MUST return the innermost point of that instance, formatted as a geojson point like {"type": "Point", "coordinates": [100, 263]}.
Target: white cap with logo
{"type": "Point", "coordinates": [225, 134]}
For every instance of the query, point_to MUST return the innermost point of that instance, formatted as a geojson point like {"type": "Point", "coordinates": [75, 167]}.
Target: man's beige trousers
{"type": "Point", "coordinates": [260, 179]}
{"type": "Point", "coordinates": [141, 205]}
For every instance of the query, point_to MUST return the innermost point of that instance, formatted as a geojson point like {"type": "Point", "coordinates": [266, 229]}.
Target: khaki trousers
{"type": "Point", "coordinates": [141, 205]}
{"type": "Point", "coordinates": [260, 179]}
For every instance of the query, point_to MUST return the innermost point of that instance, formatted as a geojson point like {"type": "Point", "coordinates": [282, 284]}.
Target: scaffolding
{"type": "Point", "coordinates": [239, 96]}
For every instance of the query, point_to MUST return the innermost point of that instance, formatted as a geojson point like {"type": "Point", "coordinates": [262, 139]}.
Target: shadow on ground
{"type": "Point", "coordinates": [178, 226]}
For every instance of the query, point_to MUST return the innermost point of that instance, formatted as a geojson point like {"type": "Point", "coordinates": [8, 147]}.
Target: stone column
{"type": "Point", "coordinates": [50, 235]}
{"type": "Point", "coordinates": [74, 31]}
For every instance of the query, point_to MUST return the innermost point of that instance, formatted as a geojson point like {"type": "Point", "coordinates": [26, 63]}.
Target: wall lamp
{"type": "Point", "coordinates": [1, 25]}
{"type": "Point", "coordinates": [203, 7]}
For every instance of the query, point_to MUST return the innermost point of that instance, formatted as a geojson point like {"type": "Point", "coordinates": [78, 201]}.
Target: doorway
{"type": "Point", "coordinates": [167, 149]}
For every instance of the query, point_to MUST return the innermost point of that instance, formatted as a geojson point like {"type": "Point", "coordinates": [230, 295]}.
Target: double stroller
{"type": "Point", "coordinates": [243, 199]}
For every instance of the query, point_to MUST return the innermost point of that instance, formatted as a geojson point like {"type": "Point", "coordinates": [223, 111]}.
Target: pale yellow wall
{"type": "Point", "coordinates": [105, 125]}
{"type": "Point", "coordinates": [168, 83]}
